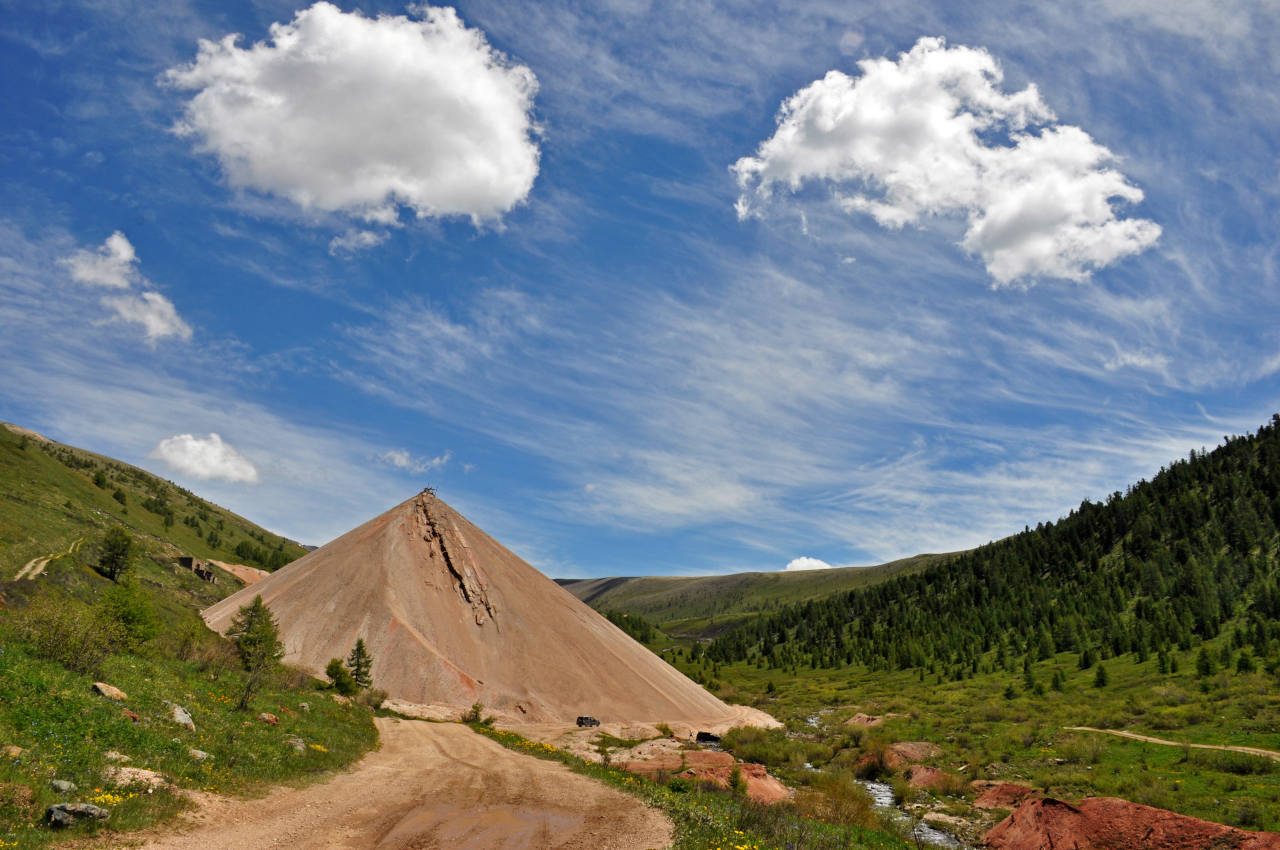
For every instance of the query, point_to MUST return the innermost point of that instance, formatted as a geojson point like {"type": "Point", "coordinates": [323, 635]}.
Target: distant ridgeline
{"type": "Point", "coordinates": [1169, 561]}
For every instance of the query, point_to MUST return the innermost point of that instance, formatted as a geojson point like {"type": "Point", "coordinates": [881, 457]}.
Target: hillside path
{"type": "Point", "coordinates": [1253, 751]}
{"type": "Point", "coordinates": [431, 786]}
{"type": "Point", "coordinates": [36, 566]}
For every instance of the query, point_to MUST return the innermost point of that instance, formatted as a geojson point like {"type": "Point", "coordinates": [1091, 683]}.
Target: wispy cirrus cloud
{"type": "Point", "coordinates": [402, 459]}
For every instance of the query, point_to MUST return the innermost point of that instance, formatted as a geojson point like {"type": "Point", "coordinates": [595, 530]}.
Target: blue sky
{"type": "Point", "coordinates": [644, 288]}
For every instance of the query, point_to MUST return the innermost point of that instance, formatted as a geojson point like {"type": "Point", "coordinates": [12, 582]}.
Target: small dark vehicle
{"type": "Point", "coordinates": [587, 720]}
{"type": "Point", "coordinates": [707, 738]}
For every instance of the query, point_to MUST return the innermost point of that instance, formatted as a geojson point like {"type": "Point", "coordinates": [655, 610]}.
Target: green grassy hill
{"type": "Point", "coordinates": [53, 495]}
{"type": "Point", "coordinates": [1155, 612]}
{"type": "Point", "coordinates": [64, 625]}
{"type": "Point", "coordinates": [707, 604]}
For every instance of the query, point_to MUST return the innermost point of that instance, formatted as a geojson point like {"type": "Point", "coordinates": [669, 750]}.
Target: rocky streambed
{"type": "Point", "coordinates": [882, 797]}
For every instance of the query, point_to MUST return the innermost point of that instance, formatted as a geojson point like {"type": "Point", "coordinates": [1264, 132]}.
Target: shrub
{"type": "Point", "coordinates": [340, 678]}
{"type": "Point", "coordinates": [837, 798]}
{"type": "Point", "coordinates": [372, 697]}
{"type": "Point", "coordinates": [1228, 761]}
{"type": "Point", "coordinates": [71, 633]}
{"type": "Point", "coordinates": [127, 605]}
{"type": "Point", "coordinates": [737, 784]}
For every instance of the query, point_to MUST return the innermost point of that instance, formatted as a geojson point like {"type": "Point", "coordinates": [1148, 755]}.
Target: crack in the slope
{"type": "Point", "coordinates": [466, 575]}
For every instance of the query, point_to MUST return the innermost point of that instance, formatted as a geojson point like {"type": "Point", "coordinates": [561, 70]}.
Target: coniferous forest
{"type": "Point", "coordinates": [1158, 568]}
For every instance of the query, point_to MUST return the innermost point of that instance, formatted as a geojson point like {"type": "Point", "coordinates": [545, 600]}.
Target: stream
{"type": "Point", "coordinates": [882, 798]}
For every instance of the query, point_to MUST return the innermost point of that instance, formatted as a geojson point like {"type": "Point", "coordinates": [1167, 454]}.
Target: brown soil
{"type": "Point", "coordinates": [867, 720]}
{"type": "Point", "coordinates": [430, 786]}
{"type": "Point", "coordinates": [244, 574]}
{"type": "Point", "coordinates": [999, 795]}
{"type": "Point", "coordinates": [922, 776]}
{"type": "Point", "coordinates": [1107, 823]}
{"type": "Point", "coordinates": [907, 752]}
{"type": "Point", "coordinates": [452, 617]}
{"type": "Point", "coordinates": [759, 785]}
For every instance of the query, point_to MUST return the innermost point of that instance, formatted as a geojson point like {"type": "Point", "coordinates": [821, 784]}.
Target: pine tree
{"type": "Point", "coordinates": [116, 548]}
{"type": "Point", "coordinates": [257, 638]}
{"type": "Point", "coordinates": [1204, 663]}
{"type": "Point", "coordinates": [1100, 679]}
{"type": "Point", "coordinates": [360, 663]}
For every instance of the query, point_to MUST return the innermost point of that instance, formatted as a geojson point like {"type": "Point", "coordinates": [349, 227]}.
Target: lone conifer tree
{"type": "Point", "coordinates": [360, 663]}
{"type": "Point", "coordinates": [116, 549]}
{"type": "Point", "coordinates": [257, 640]}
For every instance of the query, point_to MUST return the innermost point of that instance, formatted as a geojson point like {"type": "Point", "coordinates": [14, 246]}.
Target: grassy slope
{"type": "Point", "coordinates": [1025, 739]}
{"type": "Point", "coordinates": [51, 712]}
{"type": "Point", "coordinates": [46, 504]}
{"type": "Point", "coordinates": [700, 604]}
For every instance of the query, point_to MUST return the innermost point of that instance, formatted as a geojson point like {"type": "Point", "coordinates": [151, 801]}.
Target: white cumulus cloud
{"type": "Point", "coordinates": [401, 459]}
{"type": "Point", "coordinates": [806, 563]}
{"type": "Point", "coordinates": [343, 113]}
{"type": "Point", "coordinates": [205, 458]}
{"type": "Point", "coordinates": [113, 264]}
{"type": "Point", "coordinates": [157, 315]}
{"type": "Point", "coordinates": [933, 134]}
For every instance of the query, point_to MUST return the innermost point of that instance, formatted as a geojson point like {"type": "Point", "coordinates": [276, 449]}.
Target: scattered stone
{"type": "Point", "coordinates": [62, 786]}
{"type": "Point", "coordinates": [121, 776]}
{"type": "Point", "coordinates": [181, 716]}
{"type": "Point", "coordinates": [66, 814]}
{"type": "Point", "coordinates": [198, 755]}
{"type": "Point", "coordinates": [305, 706]}
{"type": "Point", "coordinates": [284, 709]}
{"type": "Point", "coordinates": [299, 745]}
{"type": "Point", "coordinates": [268, 718]}
{"type": "Point", "coordinates": [133, 718]}
{"type": "Point", "coordinates": [112, 755]}
{"type": "Point", "coordinates": [341, 700]}
{"type": "Point", "coordinates": [110, 691]}
{"type": "Point", "coordinates": [13, 752]}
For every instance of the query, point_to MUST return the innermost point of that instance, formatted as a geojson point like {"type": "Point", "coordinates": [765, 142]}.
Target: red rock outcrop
{"type": "Point", "coordinates": [1108, 823]}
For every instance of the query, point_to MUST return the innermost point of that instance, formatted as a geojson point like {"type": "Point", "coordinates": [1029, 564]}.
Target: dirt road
{"type": "Point", "coordinates": [36, 566]}
{"type": "Point", "coordinates": [431, 785]}
{"type": "Point", "coordinates": [1253, 751]}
